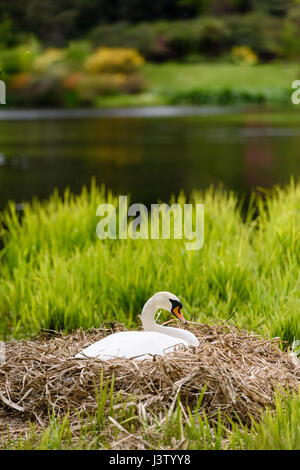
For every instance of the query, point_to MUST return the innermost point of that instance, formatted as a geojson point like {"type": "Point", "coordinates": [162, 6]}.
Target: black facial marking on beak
{"type": "Point", "coordinates": [176, 310]}
{"type": "Point", "coordinates": [175, 303]}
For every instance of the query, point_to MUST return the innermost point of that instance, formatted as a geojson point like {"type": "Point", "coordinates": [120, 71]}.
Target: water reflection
{"type": "Point", "coordinates": [259, 156]}
{"type": "Point", "coordinates": [151, 158]}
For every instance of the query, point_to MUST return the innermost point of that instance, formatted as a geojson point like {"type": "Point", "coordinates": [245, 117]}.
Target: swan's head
{"type": "Point", "coordinates": [176, 307]}
{"type": "Point", "coordinates": [169, 302]}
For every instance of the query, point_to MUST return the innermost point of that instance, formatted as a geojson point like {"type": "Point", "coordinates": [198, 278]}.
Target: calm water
{"type": "Point", "coordinates": [149, 156]}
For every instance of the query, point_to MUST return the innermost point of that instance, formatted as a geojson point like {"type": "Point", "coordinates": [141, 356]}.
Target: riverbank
{"type": "Point", "coordinates": [170, 83]}
{"type": "Point", "coordinates": [211, 83]}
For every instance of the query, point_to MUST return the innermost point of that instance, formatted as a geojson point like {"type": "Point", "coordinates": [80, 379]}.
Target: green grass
{"type": "Point", "coordinates": [211, 83]}
{"type": "Point", "coordinates": [56, 274]}
{"type": "Point", "coordinates": [183, 76]}
{"type": "Point", "coordinates": [118, 424]}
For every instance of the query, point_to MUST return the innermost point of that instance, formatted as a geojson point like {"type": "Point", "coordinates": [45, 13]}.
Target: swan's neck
{"type": "Point", "coordinates": [149, 324]}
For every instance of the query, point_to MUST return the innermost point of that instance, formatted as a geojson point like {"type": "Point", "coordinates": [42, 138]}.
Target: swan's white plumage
{"type": "Point", "coordinates": [155, 340]}
{"type": "Point", "coordinates": [132, 344]}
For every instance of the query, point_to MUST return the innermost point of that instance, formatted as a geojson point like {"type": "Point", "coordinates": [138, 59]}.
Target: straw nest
{"type": "Point", "coordinates": [240, 370]}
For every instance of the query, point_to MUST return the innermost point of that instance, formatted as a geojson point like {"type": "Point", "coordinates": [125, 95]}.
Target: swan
{"type": "Point", "coordinates": [154, 340]}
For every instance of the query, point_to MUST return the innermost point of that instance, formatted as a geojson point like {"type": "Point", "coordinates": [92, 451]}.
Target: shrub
{"type": "Point", "coordinates": [178, 39]}
{"type": "Point", "coordinates": [208, 36]}
{"type": "Point", "coordinates": [91, 86]}
{"type": "Point", "coordinates": [117, 60]}
{"type": "Point", "coordinates": [55, 76]}
{"type": "Point", "coordinates": [71, 81]}
{"type": "Point", "coordinates": [9, 37]}
{"type": "Point", "coordinates": [76, 53]}
{"type": "Point", "coordinates": [18, 59]}
{"type": "Point", "coordinates": [134, 83]}
{"type": "Point", "coordinates": [47, 59]}
{"type": "Point", "coordinates": [213, 35]}
{"type": "Point", "coordinates": [33, 90]}
{"type": "Point", "coordinates": [227, 95]}
{"type": "Point", "coordinates": [260, 32]}
{"type": "Point", "coordinates": [88, 87]}
{"type": "Point", "coordinates": [290, 41]}
{"type": "Point", "coordinates": [290, 38]}
{"type": "Point", "coordinates": [165, 40]}
{"type": "Point", "coordinates": [243, 54]}
{"type": "Point", "coordinates": [21, 81]}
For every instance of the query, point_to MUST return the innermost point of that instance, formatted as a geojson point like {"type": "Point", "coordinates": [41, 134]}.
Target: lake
{"type": "Point", "coordinates": [150, 153]}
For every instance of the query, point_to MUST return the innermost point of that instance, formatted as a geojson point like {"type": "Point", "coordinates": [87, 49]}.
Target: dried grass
{"type": "Point", "coordinates": [241, 371]}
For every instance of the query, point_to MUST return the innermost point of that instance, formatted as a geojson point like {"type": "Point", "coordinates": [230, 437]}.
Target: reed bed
{"type": "Point", "coordinates": [56, 274]}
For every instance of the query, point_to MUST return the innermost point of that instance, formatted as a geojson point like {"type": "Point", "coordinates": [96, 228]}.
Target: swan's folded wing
{"type": "Point", "coordinates": [131, 344]}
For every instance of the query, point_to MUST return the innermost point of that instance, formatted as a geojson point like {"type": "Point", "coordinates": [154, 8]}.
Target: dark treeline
{"type": "Point", "coordinates": [56, 21]}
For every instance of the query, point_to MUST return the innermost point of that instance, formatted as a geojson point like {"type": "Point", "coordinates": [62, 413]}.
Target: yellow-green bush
{"type": "Point", "coordinates": [89, 87]}
{"type": "Point", "coordinates": [47, 59]}
{"type": "Point", "coordinates": [243, 54]}
{"type": "Point", "coordinates": [17, 59]}
{"type": "Point", "coordinates": [113, 60]}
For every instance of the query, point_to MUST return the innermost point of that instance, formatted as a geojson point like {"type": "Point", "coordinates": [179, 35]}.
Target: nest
{"type": "Point", "coordinates": [240, 372]}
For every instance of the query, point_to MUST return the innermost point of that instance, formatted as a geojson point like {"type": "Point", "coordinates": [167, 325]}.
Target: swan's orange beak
{"type": "Point", "coordinates": [177, 312]}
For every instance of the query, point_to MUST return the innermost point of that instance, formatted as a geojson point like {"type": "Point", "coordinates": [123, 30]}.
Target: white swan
{"type": "Point", "coordinates": [155, 340]}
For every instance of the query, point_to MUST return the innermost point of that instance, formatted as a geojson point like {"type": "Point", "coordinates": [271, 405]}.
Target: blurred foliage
{"type": "Point", "coordinates": [160, 29]}
{"type": "Point", "coordinates": [58, 21]}
{"type": "Point", "coordinates": [19, 58]}
{"type": "Point", "coordinates": [121, 60]}
{"type": "Point", "coordinates": [268, 36]}
{"type": "Point", "coordinates": [49, 58]}
{"type": "Point", "coordinates": [229, 95]}
{"type": "Point", "coordinates": [243, 54]}
{"type": "Point", "coordinates": [71, 76]}
{"type": "Point", "coordinates": [50, 50]}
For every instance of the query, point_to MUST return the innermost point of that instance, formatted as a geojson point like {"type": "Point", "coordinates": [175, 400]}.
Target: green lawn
{"type": "Point", "coordinates": [181, 76]}
{"type": "Point", "coordinates": [56, 274]}
{"type": "Point", "coordinates": [177, 83]}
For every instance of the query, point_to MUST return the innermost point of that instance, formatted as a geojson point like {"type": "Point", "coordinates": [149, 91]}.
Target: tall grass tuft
{"type": "Point", "coordinates": [124, 427]}
{"type": "Point", "coordinates": [56, 274]}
